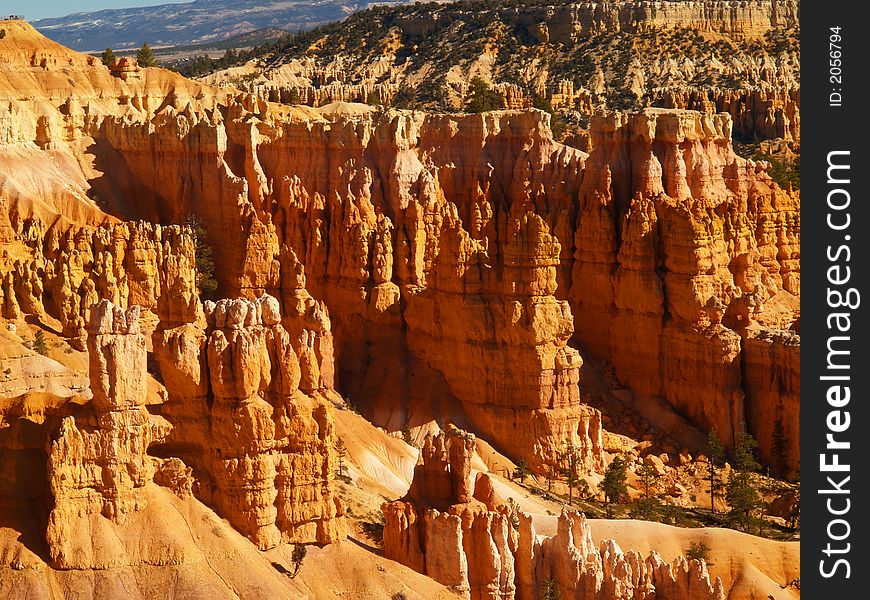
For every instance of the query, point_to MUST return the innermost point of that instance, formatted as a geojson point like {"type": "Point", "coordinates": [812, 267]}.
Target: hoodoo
{"type": "Point", "coordinates": [252, 328]}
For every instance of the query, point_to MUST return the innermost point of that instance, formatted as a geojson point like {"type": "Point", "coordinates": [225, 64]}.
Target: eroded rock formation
{"type": "Point", "coordinates": [441, 530]}
{"type": "Point", "coordinates": [62, 272]}
{"type": "Point", "coordinates": [687, 247]}
{"type": "Point", "coordinates": [578, 569]}
{"type": "Point", "coordinates": [254, 423]}
{"type": "Point", "coordinates": [474, 244]}
{"type": "Point", "coordinates": [98, 465]}
{"type": "Point", "coordinates": [658, 240]}
{"type": "Point", "coordinates": [742, 58]}
{"type": "Point", "coordinates": [432, 267]}
{"type": "Point", "coordinates": [566, 23]}
{"type": "Point", "coordinates": [464, 536]}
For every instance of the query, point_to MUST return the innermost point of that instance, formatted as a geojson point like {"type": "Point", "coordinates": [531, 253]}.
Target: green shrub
{"type": "Point", "coordinates": [481, 97]}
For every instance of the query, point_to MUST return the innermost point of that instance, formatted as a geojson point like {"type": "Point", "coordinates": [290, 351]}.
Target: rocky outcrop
{"type": "Point", "coordinates": [742, 58]}
{"type": "Point", "coordinates": [683, 244]}
{"type": "Point", "coordinates": [567, 23]}
{"type": "Point", "coordinates": [309, 95]}
{"type": "Point", "coordinates": [62, 273]}
{"type": "Point", "coordinates": [248, 397]}
{"type": "Point", "coordinates": [768, 111]}
{"type": "Point", "coordinates": [464, 536]}
{"type": "Point", "coordinates": [433, 267]}
{"type": "Point", "coordinates": [465, 253]}
{"type": "Point", "coordinates": [355, 254]}
{"type": "Point", "coordinates": [579, 569]}
{"type": "Point", "coordinates": [461, 543]}
{"type": "Point", "coordinates": [657, 240]}
{"type": "Point", "coordinates": [98, 465]}
{"type": "Point", "coordinates": [772, 363]}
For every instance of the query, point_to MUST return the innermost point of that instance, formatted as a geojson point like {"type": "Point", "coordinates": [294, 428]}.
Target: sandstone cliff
{"type": "Point", "coordinates": [97, 472]}
{"type": "Point", "coordinates": [253, 422]}
{"type": "Point", "coordinates": [433, 268]}
{"type": "Point", "coordinates": [475, 240]}
{"type": "Point", "coordinates": [61, 272]}
{"type": "Point", "coordinates": [665, 245]}
{"type": "Point", "coordinates": [575, 57]}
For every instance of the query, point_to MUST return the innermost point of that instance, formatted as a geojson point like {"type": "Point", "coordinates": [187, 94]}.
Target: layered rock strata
{"type": "Point", "coordinates": [658, 240]}
{"type": "Point", "coordinates": [463, 535]}
{"type": "Point", "coordinates": [679, 235]}
{"type": "Point", "coordinates": [98, 464]}
{"type": "Point", "coordinates": [743, 58]}
{"type": "Point", "coordinates": [253, 421]}
{"type": "Point", "coordinates": [362, 262]}
{"type": "Point", "coordinates": [444, 241]}
{"type": "Point", "coordinates": [63, 272]}
{"type": "Point", "coordinates": [769, 111]}
{"type": "Point", "coordinates": [441, 530]}
{"type": "Point", "coordinates": [566, 23]}
{"type": "Point", "coordinates": [579, 569]}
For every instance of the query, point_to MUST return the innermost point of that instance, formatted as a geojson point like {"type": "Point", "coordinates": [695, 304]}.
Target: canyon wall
{"type": "Point", "coordinates": [98, 466]}
{"type": "Point", "coordinates": [482, 235]}
{"type": "Point", "coordinates": [701, 250]}
{"type": "Point", "coordinates": [565, 24]}
{"type": "Point", "coordinates": [468, 253]}
{"type": "Point", "coordinates": [246, 428]}
{"type": "Point", "coordinates": [62, 272]}
{"type": "Point", "coordinates": [766, 112]}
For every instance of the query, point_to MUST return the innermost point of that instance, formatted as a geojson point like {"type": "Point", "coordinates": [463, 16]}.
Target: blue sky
{"type": "Point", "coordinates": [38, 9]}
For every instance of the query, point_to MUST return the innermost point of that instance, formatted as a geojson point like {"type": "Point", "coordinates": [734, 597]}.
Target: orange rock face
{"type": "Point", "coordinates": [767, 112]}
{"type": "Point", "coordinates": [64, 272]}
{"type": "Point", "coordinates": [703, 249]}
{"type": "Point", "coordinates": [98, 466]}
{"type": "Point", "coordinates": [461, 543]}
{"type": "Point", "coordinates": [253, 421]}
{"type": "Point", "coordinates": [457, 260]}
{"type": "Point", "coordinates": [450, 269]}
{"type": "Point", "coordinates": [462, 536]}
{"type": "Point", "coordinates": [580, 570]}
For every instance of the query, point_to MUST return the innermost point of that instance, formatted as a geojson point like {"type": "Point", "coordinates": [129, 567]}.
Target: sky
{"type": "Point", "coordinates": [39, 9]}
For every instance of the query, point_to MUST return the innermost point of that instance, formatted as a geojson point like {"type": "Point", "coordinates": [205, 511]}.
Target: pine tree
{"type": "Point", "coordinates": [550, 590]}
{"type": "Point", "coordinates": [647, 475]}
{"type": "Point", "coordinates": [513, 513]}
{"type": "Point", "coordinates": [373, 99]}
{"type": "Point", "coordinates": [717, 459]}
{"type": "Point", "coordinates": [614, 483]}
{"type": "Point", "coordinates": [744, 454]}
{"type": "Point", "coordinates": [341, 452]}
{"type": "Point", "coordinates": [742, 495]}
{"type": "Point", "coordinates": [205, 281]}
{"type": "Point", "coordinates": [583, 489]}
{"type": "Point", "coordinates": [299, 552]}
{"type": "Point", "coordinates": [145, 57]}
{"type": "Point", "coordinates": [39, 343]}
{"type": "Point", "coordinates": [698, 551]}
{"type": "Point", "coordinates": [542, 103]}
{"type": "Point", "coordinates": [570, 469]}
{"type": "Point", "coordinates": [482, 97]}
{"type": "Point", "coordinates": [645, 507]}
{"type": "Point", "coordinates": [522, 471]}
{"type": "Point", "coordinates": [108, 57]}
